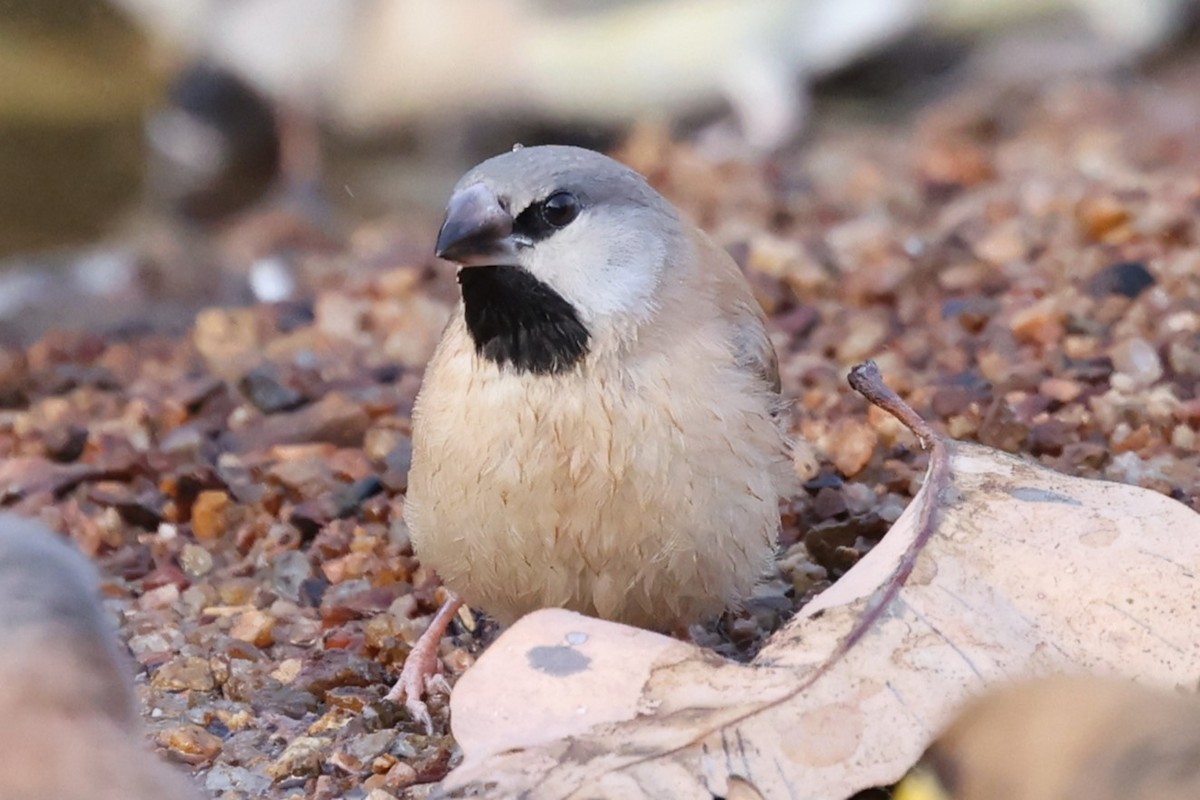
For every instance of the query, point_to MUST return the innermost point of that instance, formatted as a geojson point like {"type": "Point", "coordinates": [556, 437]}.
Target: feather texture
{"type": "Point", "coordinates": [642, 486]}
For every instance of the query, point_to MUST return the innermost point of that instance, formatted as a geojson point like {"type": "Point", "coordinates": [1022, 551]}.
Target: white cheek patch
{"type": "Point", "coordinates": [601, 266]}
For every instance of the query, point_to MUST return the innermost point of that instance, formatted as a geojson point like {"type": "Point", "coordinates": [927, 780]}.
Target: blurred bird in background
{"type": "Point", "coordinates": [367, 65]}
{"type": "Point", "coordinates": [318, 111]}
{"type": "Point", "coordinates": [1065, 738]}
{"type": "Point", "coordinates": [233, 75]}
{"type": "Point", "coordinates": [370, 65]}
{"type": "Point", "coordinates": [64, 685]}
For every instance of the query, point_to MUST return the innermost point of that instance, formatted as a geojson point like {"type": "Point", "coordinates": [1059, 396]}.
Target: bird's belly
{"type": "Point", "coordinates": [650, 513]}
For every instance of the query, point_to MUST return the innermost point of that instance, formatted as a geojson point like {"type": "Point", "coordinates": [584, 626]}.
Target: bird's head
{"type": "Point", "coordinates": [555, 243]}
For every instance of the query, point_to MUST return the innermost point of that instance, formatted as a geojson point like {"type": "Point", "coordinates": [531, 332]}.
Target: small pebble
{"type": "Point", "coordinates": [195, 560]}
{"type": "Point", "coordinates": [302, 757]}
{"type": "Point", "coordinates": [851, 445]}
{"type": "Point", "coordinates": [254, 627]}
{"type": "Point", "coordinates": [184, 673]}
{"type": "Point", "coordinates": [864, 339]}
{"type": "Point", "coordinates": [224, 779]}
{"type": "Point", "coordinates": [1128, 279]}
{"type": "Point", "coordinates": [829, 503]}
{"type": "Point", "coordinates": [210, 515]}
{"type": "Point", "coordinates": [366, 748]}
{"type": "Point", "coordinates": [262, 387]}
{"type": "Point", "coordinates": [190, 743]}
{"type": "Point", "coordinates": [1138, 359]}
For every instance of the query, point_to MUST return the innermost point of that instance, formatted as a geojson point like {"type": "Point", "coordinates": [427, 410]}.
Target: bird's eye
{"type": "Point", "coordinates": [560, 209]}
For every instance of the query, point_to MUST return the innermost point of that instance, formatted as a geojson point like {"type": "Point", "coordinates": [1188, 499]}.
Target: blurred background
{"type": "Point", "coordinates": [157, 156]}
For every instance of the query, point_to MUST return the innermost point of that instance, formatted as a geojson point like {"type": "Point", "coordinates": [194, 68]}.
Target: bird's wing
{"type": "Point", "coordinates": [752, 347]}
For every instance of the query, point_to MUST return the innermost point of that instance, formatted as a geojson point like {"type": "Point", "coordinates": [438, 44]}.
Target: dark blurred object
{"type": "Point", "coordinates": [1128, 279]}
{"type": "Point", "coordinates": [1066, 738]}
{"type": "Point", "coordinates": [914, 69]}
{"type": "Point", "coordinates": [214, 145]}
{"type": "Point", "coordinates": [65, 687]}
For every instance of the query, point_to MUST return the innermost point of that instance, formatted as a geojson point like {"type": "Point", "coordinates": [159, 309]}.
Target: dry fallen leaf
{"type": "Point", "coordinates": [998, 569]}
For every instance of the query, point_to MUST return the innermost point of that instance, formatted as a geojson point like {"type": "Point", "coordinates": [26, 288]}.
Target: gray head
{"type": "Point", "coordinates": [584, 225]}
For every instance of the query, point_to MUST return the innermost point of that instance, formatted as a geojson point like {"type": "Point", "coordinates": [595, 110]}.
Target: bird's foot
{"type": "Point", "coordinates": [421, 675]}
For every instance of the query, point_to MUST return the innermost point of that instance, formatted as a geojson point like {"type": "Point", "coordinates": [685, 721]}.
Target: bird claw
{"type": "Point", "coordinates": [418, 679]}
{"type": "Point", "coordinates": [437, 684]}
{"type": "Point", "coordinates": [434, 684]}
{"type": "Point", "coordinates": [421, 675]}
{"type": "Point", "coordinates": [420, 713]}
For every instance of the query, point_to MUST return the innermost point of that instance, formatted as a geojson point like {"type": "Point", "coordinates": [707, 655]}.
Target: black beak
{"type": "Point", "coordinates": [476, 228]}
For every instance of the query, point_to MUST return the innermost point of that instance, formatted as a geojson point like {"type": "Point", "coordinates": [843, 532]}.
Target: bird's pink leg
{"type": "Point", "coordinates": [422, 672]}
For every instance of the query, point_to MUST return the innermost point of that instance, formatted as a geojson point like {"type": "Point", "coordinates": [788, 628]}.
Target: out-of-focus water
{"type": "Point", "coordinates": [75, 77]}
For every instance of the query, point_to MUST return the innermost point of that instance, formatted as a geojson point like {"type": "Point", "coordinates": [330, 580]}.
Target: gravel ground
{"type": "Point", "coordinates": [1021, 263]}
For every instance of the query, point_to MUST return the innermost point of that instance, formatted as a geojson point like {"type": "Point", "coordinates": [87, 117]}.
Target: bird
{"type": "Point", "coordinates": [600, 427]}
{"type": "Point", "coordinates": [365, 67]}
{"type": "Point", "coordinates": [214, 145]}
{"type": "Point", "coordinates": [445, 68]}
{"type": "Point", "coordinates": [1065, 738]}
{"type": "Point", "coordinates": [71, 727]}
